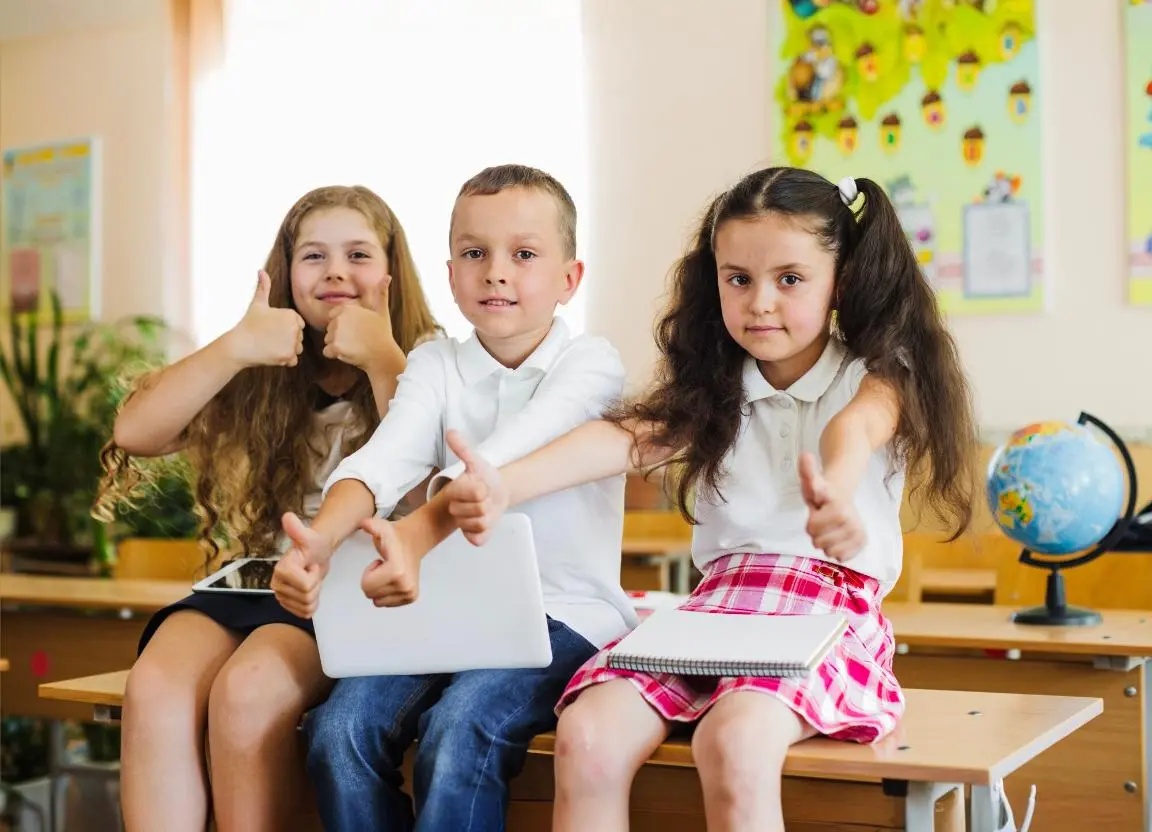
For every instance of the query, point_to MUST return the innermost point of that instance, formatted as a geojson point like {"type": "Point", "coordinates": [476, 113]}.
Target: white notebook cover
{"type": "Point", "coordinates": [728, 644]}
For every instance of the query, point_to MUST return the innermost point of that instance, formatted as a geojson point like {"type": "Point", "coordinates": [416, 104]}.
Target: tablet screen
{"type": "Point", "coordinates": [252, 575]}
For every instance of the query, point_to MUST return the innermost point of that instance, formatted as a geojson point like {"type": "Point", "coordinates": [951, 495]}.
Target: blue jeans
{"type": "Point", "coordinates": [474, 730]}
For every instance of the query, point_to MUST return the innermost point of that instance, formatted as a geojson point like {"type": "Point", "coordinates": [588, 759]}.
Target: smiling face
{"type": "Point", "coordinates": [510, 268]}
{"type": "Point", "coordinates": [337, 260]}
{"type": "Point", "coordinates": [776, 285]}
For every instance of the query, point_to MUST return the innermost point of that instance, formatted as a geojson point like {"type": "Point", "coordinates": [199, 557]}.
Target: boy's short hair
{"type": "Point", "coordinates": [493, 180]}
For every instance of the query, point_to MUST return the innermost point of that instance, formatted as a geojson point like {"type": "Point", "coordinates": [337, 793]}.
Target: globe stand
{"type": "Point", "coordinates": [1056, 611]}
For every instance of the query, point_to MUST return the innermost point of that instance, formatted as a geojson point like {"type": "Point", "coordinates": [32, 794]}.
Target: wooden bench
{"type": "Point", "coordinates": [912, 779]}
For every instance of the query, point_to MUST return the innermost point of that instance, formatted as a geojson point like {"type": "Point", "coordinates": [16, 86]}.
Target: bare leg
{"type": "Point", "coordinates": [601, 741]}
{"type": "Point", "coordinates": [253, 712]}
{"type": "Point", "coordinates": [739, 748]}
{"type": "Point", "coordinates": [163, 782]}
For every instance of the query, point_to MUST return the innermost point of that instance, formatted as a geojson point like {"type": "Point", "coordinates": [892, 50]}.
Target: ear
{"type": "Point", "coordinates": [451, 278]}
{"type": "Point", "coordinates": [573, 274]}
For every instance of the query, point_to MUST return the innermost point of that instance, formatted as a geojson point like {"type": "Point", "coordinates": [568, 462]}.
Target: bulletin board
{"type": "Point", "coordinates": [50, 228]}
{"type": "Point", "coordinates": [1138, 147]}
{"type": "Point", "coordinates": [938, 102]}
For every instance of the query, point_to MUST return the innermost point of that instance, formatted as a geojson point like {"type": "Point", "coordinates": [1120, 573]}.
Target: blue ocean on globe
{"type": "Point", "coordinates": [1055, 488]}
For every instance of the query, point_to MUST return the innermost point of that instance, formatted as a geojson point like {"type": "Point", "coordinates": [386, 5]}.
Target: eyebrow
{"type": "Point", "coordinates": [783, 267]}
{"type": "Point", "coordinates": [352, 243]}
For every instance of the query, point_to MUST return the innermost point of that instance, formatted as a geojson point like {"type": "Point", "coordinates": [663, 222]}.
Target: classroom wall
{"type": "Point", "coordinates": [680, 106]}
{"type": "Point", "coordinates": [71, 69]}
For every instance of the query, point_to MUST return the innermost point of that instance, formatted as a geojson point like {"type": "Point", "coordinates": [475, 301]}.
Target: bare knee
{"type": "Point", "coordinates": [588, 755]}
{"type": "Point", "coordinates": [736, 761]}
{"type": "Point", "coordinates": [248, 701]}
{"type": "Point", "coordinates": [154, 696]}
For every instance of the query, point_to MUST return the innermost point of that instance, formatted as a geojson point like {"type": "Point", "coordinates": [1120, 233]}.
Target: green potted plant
{"type": "Point", "coordinates": [67, 383]}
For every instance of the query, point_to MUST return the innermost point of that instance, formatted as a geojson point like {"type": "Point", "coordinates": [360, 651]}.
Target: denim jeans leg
{"type": "Point", "coordinates": [356, 743]}
{"type": "Point", "coordinates": [475, 738]}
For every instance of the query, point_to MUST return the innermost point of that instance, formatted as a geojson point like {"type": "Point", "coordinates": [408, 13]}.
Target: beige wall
{"type": "Point", "coordinates": [679, 96]}
{"type": "Point", "coordinates": [678, 100]}
{"type": "Point", "coordinates": [110, 79]}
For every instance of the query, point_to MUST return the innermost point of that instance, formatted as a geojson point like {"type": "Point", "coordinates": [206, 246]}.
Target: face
{"type": "Point", "coordinates": [509, 268]}
{"type": "Point", "coordinates": [338, 260]}
{"type": "Point", "coordinates": [776, 287]}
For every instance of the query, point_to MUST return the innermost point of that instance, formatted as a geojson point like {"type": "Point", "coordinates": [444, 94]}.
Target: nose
{"type": "Point", "coordinates": [337, 268]}
{"type": "Point", "coordinates": [494, 275]}
{"type": "Point", "coordinates": [763, 299]}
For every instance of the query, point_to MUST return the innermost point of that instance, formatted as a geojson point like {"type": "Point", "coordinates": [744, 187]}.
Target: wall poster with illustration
{"type": "Point", "coordinates": [1138, 147]}
{"type": "Point", "coordinates": [937, 101]}
{"type": "Point", "coordinates": [51, 238]}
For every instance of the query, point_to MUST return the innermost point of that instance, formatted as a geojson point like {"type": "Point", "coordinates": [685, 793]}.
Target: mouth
{"type": "Point", "coordinates": [337, 297]}
{"type": "Point", "coordinates": [764, 330]}
{"type": "Point", "coordinates": [497, 303]}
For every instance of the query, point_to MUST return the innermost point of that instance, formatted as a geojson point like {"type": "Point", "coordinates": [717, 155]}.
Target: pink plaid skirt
{"type": "Point", "coordinates": [852, 695]}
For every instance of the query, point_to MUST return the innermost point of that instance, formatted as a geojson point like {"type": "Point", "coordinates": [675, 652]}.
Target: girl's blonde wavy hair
{"type": "Point", "coordinates": [250, 448]}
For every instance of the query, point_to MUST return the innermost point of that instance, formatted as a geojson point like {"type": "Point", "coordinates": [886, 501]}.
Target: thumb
{"type": "Point", "coordinates": [472, 463]}
{"type": "Point", "coordinates": [383, 535]}
{"type": "Point", "coordinates": [376, 298]}
{"type": "Point", "coordinates": [263, 289]}
{"type": "Point", "coordinates": [812, 484]}
{"type": "Point", "coordinates": [299, 534]}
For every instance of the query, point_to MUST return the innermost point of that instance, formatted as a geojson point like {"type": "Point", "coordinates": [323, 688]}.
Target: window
{"type": "Point", "coordinates": [407, 97]}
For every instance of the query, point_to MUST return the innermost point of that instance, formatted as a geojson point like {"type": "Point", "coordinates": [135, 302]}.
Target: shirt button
{"type": "Point", "coordinates": [785, 429]}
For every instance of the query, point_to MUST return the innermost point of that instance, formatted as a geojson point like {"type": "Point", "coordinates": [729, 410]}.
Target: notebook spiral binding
{"type": "Point", "coordinates": [680, 667]}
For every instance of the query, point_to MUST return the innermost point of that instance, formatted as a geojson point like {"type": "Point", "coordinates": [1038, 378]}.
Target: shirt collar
{"type": "Point", "coordinates": [476, 363]}
{"type": "Point", "coordinates": [809, 387]}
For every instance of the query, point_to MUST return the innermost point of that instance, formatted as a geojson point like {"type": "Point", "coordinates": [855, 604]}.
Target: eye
{"type": "Point", "coordinates": [312, 255]}
{"type": "Point", "coordinates": [739, 280]}
{"type": "Point", "coordinates": [361, 255]}
{"type": "Point", "coordinates": [525, 254]}
{"type": "Point", "coordinates": [472, 254]}
{"type": "Point", "coordinates": [790, 279]}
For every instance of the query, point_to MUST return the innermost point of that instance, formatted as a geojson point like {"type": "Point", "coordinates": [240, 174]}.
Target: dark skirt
{"type": "Point", "coordinates": [242, 614]}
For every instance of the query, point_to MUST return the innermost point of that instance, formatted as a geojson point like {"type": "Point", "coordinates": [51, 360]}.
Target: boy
{"type": "Point", "coordinates": [520, 381]}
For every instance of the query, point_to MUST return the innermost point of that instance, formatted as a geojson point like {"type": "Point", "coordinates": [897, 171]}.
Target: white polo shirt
{"type": "Point", "coordinates": [505, 414]}
{"type": "Point", "coordinates": [762, 509]}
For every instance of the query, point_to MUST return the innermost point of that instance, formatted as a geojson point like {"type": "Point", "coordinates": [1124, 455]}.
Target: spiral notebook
{"type": "Point", "coordinates": [728, 644]}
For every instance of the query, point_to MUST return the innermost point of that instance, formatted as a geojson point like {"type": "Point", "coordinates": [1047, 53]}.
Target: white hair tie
{"type": "Point", "coordinates": [848, 190]}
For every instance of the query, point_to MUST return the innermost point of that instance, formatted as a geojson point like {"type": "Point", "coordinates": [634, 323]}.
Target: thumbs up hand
{"type": "Point", "coordinates": [834, 524]}
{"type": "Point", "coordinates": [297, 576]}
{"type": "Point", "coordinates": [478, 498]}
{"type": "Point", "coordinates": [361, 334]}
{"type": "Point", "coordinates": [267, 335]}
{"type": "Point", "coordinates": [394, 580]}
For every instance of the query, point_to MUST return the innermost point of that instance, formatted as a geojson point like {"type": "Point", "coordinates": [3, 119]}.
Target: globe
{"type": "Point", "coordinates": [1055, 488]}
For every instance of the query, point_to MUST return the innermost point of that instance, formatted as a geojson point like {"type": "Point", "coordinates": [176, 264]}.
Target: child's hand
{"type": "Point", "coordinates": [477, 499]}
{"type": "Point", "coordinates": [833, 522]}
{"type": "Point", "coordinates": [297, 576]}
{"type": "Point", "coordinates": [394, 580]}
{"type": "Point", "coordinates": [361, 334]}
{"type": "Point", "coordinates": [267, 335]}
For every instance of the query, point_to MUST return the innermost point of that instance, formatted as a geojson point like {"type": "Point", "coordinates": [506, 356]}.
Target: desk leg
{"type": "Point", "coordinates": [1146, 693]}
{"type": "Point", "coordinates": [920, 808]}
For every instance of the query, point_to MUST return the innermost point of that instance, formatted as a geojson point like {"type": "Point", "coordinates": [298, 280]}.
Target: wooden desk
{"type": "Point", "coordinates": [1098, 779]}
{"type": "Point", "coordinates": [959, 582]}
{"type": "Point", "coordinates": [946, 740]}
{"type": "Point", "coordinates": [60, 628]}
{"type": "Point", "coordinates": [667, 559]}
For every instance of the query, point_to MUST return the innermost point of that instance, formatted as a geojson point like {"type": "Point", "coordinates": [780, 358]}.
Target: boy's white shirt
{"type": "Point", "coordinates": [505, 414]}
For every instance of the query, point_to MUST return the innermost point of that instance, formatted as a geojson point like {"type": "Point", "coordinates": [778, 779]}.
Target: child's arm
{"type": "Point", "coordinates": [401, 453]}
{"type": "Point", "coordinates": [475, 501]}
{"type": "Point", "coordinates": [867, 423]}
{"type": "Point", "coordinates": [586, 380]}
{"type": "Point", "coordinates": [155, 416]}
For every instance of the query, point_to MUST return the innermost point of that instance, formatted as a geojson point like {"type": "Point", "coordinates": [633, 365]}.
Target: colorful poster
{"type": "Point", "coordinates": [937, 101]}
{"type": "Point", "coordinates": [1138, 145]}
{"type": "Point", "coordinates": [50, 234]}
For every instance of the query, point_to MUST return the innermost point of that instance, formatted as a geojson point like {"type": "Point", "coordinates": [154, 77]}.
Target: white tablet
{"type": "Point", "coordinates": [478, 607]}
{"type": "Point", "coordinates": [245, 575]}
